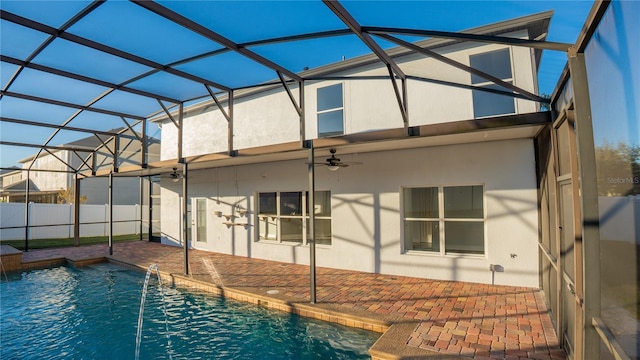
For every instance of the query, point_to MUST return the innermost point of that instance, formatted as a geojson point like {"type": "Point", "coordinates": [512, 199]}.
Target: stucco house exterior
{"type": "Point", "coordinates": [441, 183]}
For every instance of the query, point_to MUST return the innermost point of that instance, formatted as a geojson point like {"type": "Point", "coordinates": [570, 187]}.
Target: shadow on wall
{"type": "Point", "coordinates": [510, 207]}
{"type": "Point", "coordinates": [359, 219]}
{"type": "Point", "coordinates": [371, 242]}
{"type": "Point", "coordinates": [231, 211]}
{"type": "Point", "coordinates": [221, 207]}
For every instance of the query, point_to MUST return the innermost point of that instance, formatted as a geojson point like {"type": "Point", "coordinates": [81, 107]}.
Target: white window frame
{"type": "Point", "coordinates": [276, 219]}
{"type": "Point", "coordinates": [488, 83]}
{"type": "Point", "coordinates": [192, 220]}
{"type": "Point", "coordinates": [441, 219]}
{"type": "Point", "coordinates": [326, 111]}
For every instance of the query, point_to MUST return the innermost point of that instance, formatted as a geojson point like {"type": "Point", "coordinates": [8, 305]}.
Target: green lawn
{"type": "Point", "coordinates": [65, 242]}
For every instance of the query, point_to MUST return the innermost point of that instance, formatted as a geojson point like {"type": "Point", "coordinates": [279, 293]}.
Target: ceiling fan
{"type": "Point", "coordinates": [333, 163]}
{"type": "Point", "coordinates": [175, 176]}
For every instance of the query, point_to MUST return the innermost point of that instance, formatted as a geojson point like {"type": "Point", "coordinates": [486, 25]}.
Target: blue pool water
{"type": "Point", "coordinates": [92, 313]}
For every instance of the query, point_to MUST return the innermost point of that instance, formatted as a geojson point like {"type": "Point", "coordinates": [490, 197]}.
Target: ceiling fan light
{"type": "Point", "coordinates": [333, 167]}
{"type": "Point", "coordinates": [175, 178]}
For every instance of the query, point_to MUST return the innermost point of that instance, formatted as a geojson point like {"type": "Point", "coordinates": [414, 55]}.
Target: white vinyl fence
{"type": "Point", "coordinates": [620, 218]}
{"type": "Point", "coordinates": [48, 221]}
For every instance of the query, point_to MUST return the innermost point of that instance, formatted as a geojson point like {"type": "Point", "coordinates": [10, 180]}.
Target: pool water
{"type": "Point", "coordinates": [92, 313]}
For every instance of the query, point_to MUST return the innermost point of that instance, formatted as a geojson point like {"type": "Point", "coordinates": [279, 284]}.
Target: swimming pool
{"type": "Point", "coordinates": [92, 313]}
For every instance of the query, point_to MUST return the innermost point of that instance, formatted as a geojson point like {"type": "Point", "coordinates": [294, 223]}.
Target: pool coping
{"type": "Point", "coordinates": [46, 263]}
{"type": "Point", "coordinates": [315, 311]}
{"type": "Point", "coordinates": [394, 331]}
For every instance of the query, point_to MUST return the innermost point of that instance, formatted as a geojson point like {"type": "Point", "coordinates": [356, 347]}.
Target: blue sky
{"type": "Point", "coordinates": [265, 21]}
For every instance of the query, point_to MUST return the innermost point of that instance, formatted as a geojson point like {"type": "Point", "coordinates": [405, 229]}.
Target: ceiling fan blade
{"type": "Point", "coordinates": [354, 162]}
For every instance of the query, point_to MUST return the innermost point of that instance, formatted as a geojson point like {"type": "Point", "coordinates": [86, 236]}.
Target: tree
{"type": "Point", "coordinates": [67, 196]}
{"type": "Point", "coordinates": [618, 169]}
{"type": "Point", "coordinates": [545, 106]}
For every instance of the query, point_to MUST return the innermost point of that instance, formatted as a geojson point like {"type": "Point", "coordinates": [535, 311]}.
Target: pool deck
{"type": "Point", "coordinates": [418, 318]}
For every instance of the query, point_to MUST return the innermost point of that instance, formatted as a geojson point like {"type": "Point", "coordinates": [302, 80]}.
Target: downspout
{"type": "Point", "coordinates": [111, 213]}
{"type": "Point", "coordinates": [76, 211]}
{"type": "Point", "coordinates": [140, 180]}
{"type": "Point", "coordinates": [150, 213]}
{"type": "Point", "coordinates": [26, 213]}
{"type": "Point", "coordinates": [185, 238]}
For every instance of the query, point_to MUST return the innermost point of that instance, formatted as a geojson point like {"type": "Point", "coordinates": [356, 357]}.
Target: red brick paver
{"type": "Point", "coordinates": [452, 318]}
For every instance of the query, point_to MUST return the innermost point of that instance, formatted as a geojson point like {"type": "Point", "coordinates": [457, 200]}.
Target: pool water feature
{"type": "Point", "coordinates": [143, 297]}
{"type": "Point", "coordinates": [92, 313]}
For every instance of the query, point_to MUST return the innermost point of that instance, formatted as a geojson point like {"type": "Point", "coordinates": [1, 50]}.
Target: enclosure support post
{"type": "Point", "coordinates": [312, 223]}
{"type": "Point", "coordinates": [116, 152]}
{"type": "Point", "coordinates": [111, 213]}
{"type": "Point", "coordinates": [26, 213]}
{"type": "Point", "coordinates": [589, 202]}
{"type": "Point", "coordinates": [303, 125]}
{"type": "Point", "coordinates": [230, 122]}
{"type": "Point", "coordinates": [185, 202]}
{"type": "Point", "coordinates": [76, 211]}
{"type": "Point", "coordinates": [180, 129]}
{"type": "Point", "coordinates": [143, 146]}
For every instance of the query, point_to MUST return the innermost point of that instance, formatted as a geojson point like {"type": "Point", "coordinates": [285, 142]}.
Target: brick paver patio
{"type": "Point", "coordinates": [443, 318]}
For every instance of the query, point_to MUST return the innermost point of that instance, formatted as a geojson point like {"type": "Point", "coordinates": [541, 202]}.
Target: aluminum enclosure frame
{"type": "Point", "coordinates": [224, 95]}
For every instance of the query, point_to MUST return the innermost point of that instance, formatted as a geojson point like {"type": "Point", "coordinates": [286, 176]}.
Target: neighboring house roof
{"type": "Point", "coordinates": [19, 187]}
{"type": "Point", "coordinates": [9, 171]}
{"type": "Point", "coordinates": [90, 143]}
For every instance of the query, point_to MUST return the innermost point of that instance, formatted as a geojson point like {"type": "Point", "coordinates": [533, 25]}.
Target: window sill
{"type": "Point", "coordinates": [290, 243]}
{"type": "Point", "coordinates": [446, 255]}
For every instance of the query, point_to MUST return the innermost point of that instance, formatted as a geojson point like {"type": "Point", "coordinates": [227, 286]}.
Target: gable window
{"type": "Point", "coordinates": [330, 111]}
{"type": "Point", "coordinates": [283, 218]}
{"type": "Point", "coordinates": [498, 64]}
{"type": "Point", "coordinates": [443, 220]}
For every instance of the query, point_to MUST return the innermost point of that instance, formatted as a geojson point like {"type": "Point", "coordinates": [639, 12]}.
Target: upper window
{"type": "Point", "coordinates": [498, 64]}
{"type": "Point", "coordinates": [330, 111]}
{"type": "Point", "coordinates": [283, 218]}
{"type": "Point", "coordinates": [446, 219]}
